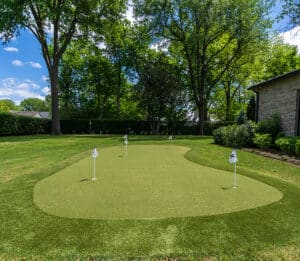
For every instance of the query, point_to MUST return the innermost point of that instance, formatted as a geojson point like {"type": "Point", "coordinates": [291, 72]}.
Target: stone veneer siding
{"type": "Point", "coordinates": [280, 97]}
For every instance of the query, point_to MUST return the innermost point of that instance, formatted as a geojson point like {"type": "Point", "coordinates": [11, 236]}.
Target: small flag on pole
{"type": "Point", "coordinates": [233, 159]}
{"type": "Point", "coordinates": [125, 137]}
{"type": "Point", "coordinates": [171, 137]}
{"type": "Point", "coordinates": [94, 155]}
{"type": "Point", "coordinates": [126, 145]}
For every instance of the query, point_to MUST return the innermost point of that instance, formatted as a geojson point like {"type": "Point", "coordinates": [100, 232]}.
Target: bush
{"type": "Point", "coordinates": [297, 147]}
{"type": "Point", "coordinates": [219, 135]}
{"type": "Point", "coordinates": [287, 144]}
{"type": "Point", "coordinates": [236, 136]}
{"type": "Point", "coordinates": [271, 126]}
{"type": "Point", "coordinates": [20, 125]}
{"type": "Point", "coordinates": [263, 141]}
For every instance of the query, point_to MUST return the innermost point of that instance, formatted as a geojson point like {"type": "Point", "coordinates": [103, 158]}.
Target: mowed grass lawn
{"type": "Point", "coordinates": [29, 228]}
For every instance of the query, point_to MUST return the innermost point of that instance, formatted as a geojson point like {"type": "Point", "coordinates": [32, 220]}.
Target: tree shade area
{"type": "Point", "coordinates": [176, 60]}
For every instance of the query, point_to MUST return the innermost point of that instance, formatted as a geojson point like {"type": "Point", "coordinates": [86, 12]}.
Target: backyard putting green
{"type": "Point", "coordinates": [154, 181]}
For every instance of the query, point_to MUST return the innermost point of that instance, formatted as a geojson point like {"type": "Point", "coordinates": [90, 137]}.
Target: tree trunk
{"type": "Point", "coordinates": [228, 105]}
{"type": "Point", "coordinates": [55, 129]}
{"type": "Point", "coordinates": [201, 118]}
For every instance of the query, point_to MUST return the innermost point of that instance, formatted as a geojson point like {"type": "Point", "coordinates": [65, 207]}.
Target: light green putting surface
{"type": "Point", "coordinates": [154, 181]}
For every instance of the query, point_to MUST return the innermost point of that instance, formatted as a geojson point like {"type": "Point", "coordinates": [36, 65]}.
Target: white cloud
{"type": "Point", "coordinates": [11, 49]}
{"type": "Point", "coordinates": [35, 65]}
{"type": "Point", "coordinates": [17, 63]}
{"type": "Point", "coordinates": [19, 90]}
{"type": "Point", "coordinates": [46, 90]}
{"type": "Point", "coordinates": [292, 37]}
{"type": "Point", "coordinates": [45, 78]}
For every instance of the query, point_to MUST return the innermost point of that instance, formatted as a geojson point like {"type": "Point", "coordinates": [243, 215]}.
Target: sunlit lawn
{"type": "Point", "coordinates": [267, 232]}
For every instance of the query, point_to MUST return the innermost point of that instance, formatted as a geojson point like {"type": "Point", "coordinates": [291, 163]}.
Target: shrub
{"type": "Point", "coordinates": [271, 126]}
{"type": "Point", "coordinates": [20, 125]}
{"type": "Point", "coordinates": [297, 147]}
{"type": "Point", "coordinates": [241, 118]}
{"type": "Point", "coordinates": [263, 141]}
{"type": "Point", "coordinates": [219, 135]}
{"type": "Point", "coordinates": [235, 135]}
{"type": "Point", "coordinates": [287, 144]}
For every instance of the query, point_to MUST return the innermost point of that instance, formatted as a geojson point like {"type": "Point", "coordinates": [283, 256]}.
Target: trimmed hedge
{"type": "Point", "coordinates": [11, 124]}
{"type": "Point", "coordinates": [82, 126]}
{"type": "Point", "coordinates": [21, 125]}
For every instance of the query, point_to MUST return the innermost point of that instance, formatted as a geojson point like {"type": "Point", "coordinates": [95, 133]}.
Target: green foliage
{"type": "Point", "coordinates": [219, 135]}
{"type": "Point", "coordinates": [21, 125]}
{"type": "Point", "coordinates": [207, 36]}
{"type": "Point", "coordinates": [236, 136]}
{"type": "Point", "coordinates": [8, 103]}
{"type": "Point", "coordinates": [287, 144]}
{"type": "Point", "coordinates": [241, 118]}
{"type": "Point", "coordinates": [80, 126]}
{"type": "Point", "coordinates": [263, 141]}
{"type": "Point", "coordinates": [33, 104]}
{"type": "Point", "coordinates": [297, 147]}
{"type": "Point", "coordinates": [271, 125]}
{"type": "Point", "coordinates": [3, 107]}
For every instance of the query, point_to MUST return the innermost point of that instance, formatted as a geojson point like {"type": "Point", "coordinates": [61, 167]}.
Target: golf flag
{"type": "Point", "coordinates": [171, 137]}
{"type": "Point", "coordinates": [126, 142]}
{"type": "Point", "coordinates": [233, 157]}
{"type": "Point", "coordinates": [125, 137]}
{"type": "Point", "coordinates": [95, 153]}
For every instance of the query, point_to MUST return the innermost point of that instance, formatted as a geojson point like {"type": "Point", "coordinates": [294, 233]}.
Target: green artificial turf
{"type": "Point", "coordinates": [269, 232]}
{"type": "Point", "coordinates": [151, 182]}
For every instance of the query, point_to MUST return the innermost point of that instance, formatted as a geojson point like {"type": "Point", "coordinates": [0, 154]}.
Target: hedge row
{"type": "Point", "coordinates": [20, 125]}
{"type": "Point", "coordinates": [77, 126]}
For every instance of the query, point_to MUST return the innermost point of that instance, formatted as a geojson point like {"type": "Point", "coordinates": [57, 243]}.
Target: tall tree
{"type": "Point", "coordinates": [202, 31]}
{"type": "Point", "coordinates": [33, 104]}
{"type": "Point", "coordinates": [159, 87]}
{"type": "Point", "coordinates": [63, 18]}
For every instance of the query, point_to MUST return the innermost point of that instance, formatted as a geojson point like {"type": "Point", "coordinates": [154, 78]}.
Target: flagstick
{"type": "Point", "coordinates": [126, 149]}
{"type": "Point", "coordinates": [94, 178]}
{"type": "Point", "coordinates": [234, 177]}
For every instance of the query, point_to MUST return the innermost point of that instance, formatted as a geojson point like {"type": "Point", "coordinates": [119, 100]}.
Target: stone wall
{"type": "Point", "coordinates": [280, 97]}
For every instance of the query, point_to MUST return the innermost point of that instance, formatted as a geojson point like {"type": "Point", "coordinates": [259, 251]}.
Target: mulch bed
{"type": "Point", "coordinates": [275, 154]}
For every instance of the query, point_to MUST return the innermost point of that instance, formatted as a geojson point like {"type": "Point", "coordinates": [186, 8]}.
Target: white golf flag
{"type": "Point", "coordinates": [171, 137]}
{"type": "Point", "coordinates": [125, 137]}
{"type": "Point", "coordinates": [125, 141]}
{"type": "Point", "coordinates": [95, 153]}
{"type": "Point", "coordinates": [233, 157]}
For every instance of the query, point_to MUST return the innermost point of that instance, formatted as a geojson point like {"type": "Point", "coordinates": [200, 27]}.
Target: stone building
{"type": "Point", "coordinates": [280, 95]}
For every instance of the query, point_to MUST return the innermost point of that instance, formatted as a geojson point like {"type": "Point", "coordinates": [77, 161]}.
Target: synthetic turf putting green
{"type": "Point", "coordinates": [154, 181]}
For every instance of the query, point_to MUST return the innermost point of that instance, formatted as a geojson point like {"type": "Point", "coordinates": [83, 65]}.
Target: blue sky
{"type": "Point", "coordinates": [23, 73]}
